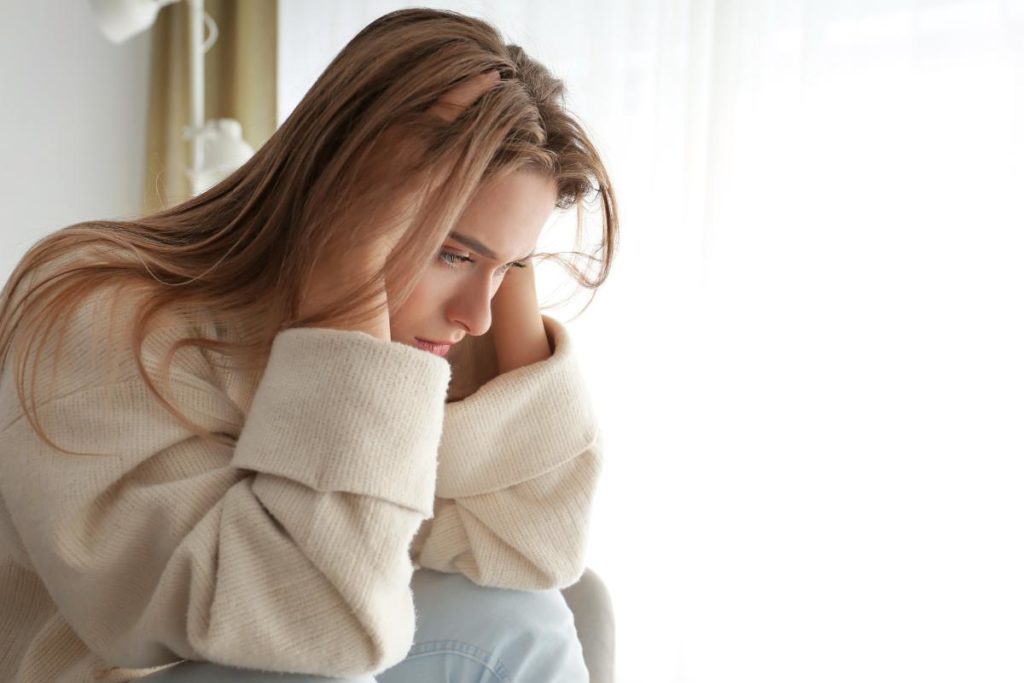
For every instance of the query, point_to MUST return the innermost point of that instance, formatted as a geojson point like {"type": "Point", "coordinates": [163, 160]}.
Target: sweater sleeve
{"type": "Point", "coordinates": [518, 469]}
{"type": "Point", "coordinates": [287, 551]}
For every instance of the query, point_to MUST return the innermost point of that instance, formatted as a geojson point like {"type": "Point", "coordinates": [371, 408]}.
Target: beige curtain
{"type": "Point", "coordinates": [241, 83]}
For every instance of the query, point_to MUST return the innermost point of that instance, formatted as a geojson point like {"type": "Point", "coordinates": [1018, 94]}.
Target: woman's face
{"type": "Point", "coordinates": [500, 226]}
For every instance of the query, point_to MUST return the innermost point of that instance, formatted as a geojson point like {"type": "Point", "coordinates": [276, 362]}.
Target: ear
{"type": "Point", "coordinates": [474, 363]}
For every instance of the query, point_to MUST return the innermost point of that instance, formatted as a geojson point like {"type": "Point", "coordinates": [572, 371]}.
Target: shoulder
{"type": "Point", "coordinates": [91, 340]}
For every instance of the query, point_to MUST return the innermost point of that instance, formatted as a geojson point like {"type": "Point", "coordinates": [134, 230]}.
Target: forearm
{"type": "Point", "coordinates": [518, 330]}
{"type": "Point", "coordinates": [517, 468]}
{"type": "Point", "coordinates": [532, 536]}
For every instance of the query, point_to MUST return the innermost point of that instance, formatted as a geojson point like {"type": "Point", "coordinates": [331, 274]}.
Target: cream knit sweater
{"type": "Point", "coordinates": [292, 550]}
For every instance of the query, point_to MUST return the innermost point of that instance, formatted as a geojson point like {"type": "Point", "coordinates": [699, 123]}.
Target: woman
{"type": "Point", "coordinates": [244, 444]}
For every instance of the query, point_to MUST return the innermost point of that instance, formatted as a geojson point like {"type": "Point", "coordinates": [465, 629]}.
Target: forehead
{"type": "Point", "coordinates": [504, 219]}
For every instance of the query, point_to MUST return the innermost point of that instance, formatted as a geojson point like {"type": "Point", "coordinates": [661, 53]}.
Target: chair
{"type": "Point", "coordinates": [592, 611]}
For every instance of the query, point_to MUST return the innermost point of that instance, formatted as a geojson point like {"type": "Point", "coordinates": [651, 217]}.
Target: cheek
{"type": "Point", "coordinates": [430, 293]}
{"type": "Point", "coordinates": [437, 288]}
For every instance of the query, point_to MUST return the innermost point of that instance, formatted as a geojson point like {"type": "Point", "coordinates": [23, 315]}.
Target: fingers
{"type": "Point", "coordinates": [451, 104]}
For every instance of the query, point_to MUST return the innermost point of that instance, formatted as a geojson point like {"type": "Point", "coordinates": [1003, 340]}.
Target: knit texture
{"type": "Point", "coordinates": [293, 549]}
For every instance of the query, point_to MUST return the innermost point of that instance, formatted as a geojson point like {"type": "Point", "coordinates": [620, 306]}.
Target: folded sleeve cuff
{"type": "Point", "coordinates": [341, 410]}
{"type": "Point", "coordinates": [518, 425]}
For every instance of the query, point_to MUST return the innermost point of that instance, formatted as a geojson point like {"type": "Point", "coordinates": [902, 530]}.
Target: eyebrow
{"type": "Point", "coordinates": [479, 246]}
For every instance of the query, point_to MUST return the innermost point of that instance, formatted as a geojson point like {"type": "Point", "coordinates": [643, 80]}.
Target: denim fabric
{"type": "Point", "coordinates": [465, 633]}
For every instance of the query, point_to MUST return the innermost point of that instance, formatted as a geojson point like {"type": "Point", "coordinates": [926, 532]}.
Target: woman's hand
{"type": "Point", "coordinates": [452, 103]}
{"type": "Point", "coordinates": [516, 337]}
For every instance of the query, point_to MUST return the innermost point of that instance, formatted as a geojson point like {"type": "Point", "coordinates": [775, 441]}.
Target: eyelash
{"type": "Point", "coordinates": [449, 258]}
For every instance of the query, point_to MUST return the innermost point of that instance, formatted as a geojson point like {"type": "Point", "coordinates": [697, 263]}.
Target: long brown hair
{"type": "Point", "coordinates": [243, 251]}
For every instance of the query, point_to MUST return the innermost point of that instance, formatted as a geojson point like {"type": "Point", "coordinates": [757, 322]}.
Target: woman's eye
{"type": "Point", "coordinates": [508, 266]}
{"type": "Point", "coordinates": [452, 259]}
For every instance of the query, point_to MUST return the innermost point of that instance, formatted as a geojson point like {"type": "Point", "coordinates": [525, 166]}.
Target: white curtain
{"type": "Point", "coordinates": [809, 359]}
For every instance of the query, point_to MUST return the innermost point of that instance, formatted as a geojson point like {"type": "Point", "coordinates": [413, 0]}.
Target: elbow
{"type": "Point", "coordinates": [564, 575]}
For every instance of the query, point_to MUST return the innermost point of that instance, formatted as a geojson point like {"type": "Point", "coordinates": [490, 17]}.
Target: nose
{"type": "Point", "coordinates": [470, 308]}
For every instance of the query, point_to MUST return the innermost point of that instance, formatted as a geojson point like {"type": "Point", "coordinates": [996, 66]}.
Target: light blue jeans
{"type": "Point", "coordinates": [465, 633]}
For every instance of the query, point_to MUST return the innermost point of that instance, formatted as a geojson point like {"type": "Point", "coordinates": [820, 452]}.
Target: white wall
{"type": "Point", "coordinates": [72, 124]}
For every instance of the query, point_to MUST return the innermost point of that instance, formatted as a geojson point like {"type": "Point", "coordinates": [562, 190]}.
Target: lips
{"type": "Point", "coordinates": [432, 347]}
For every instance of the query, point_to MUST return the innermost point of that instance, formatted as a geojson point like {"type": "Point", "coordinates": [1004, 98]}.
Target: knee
{"type": "Point", "coordinates": [451, 607]}
{"type": "Point", "coordinates": [470, 632]}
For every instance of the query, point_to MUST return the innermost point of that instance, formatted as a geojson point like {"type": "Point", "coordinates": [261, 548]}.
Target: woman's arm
{"type": "Point", "coordinates": [520, 456]}
{"type": "Point", "coordinates": [287, 552]}
{"type": "Point", "coordinates": [518, 330]}
{"type": "Point", "coordinates": [516, 338]}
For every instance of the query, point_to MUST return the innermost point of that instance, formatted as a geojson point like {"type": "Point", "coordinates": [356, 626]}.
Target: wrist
{"type": "Point", "coordinates": [520, 340]}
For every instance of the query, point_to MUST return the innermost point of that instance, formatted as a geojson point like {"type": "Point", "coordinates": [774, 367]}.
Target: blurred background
{"type": "Point", "coordinates": [809, 358]}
